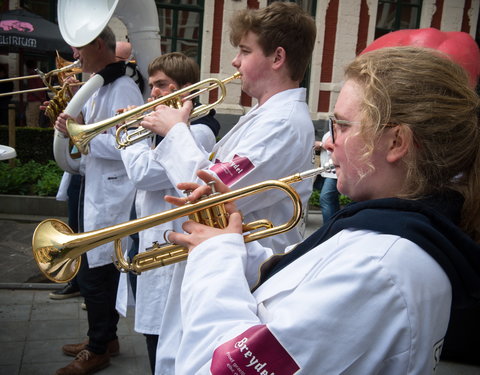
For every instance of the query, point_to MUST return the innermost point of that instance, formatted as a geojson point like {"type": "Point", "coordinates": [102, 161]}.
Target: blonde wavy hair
{"type": "Point", "coordinates": [424, 91]}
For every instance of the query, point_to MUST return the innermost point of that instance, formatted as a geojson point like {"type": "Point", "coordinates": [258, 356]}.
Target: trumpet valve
{"type": "Point", "coordinates": [215, 216]}
{"type": "Point", "coordinates": [212, 187]}
{"type": "Point", "coordinates": [158, 255]}
{"type": "Point", "coordinates": [175, 102]}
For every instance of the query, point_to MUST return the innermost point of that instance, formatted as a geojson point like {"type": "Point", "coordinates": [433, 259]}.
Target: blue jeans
{"type": "Point", "coordinates": [329, 203]}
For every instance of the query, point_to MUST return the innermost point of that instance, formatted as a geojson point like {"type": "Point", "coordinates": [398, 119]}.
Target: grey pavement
{"type": "Point", "coordinates": [33, 327]}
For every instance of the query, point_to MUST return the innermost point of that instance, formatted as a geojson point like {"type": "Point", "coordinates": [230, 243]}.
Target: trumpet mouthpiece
{"type": "Point", "coordinates": [75, 64]}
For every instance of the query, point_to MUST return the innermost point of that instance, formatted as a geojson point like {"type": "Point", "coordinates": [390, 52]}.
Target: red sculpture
{"type": "Point", "coordinates": [460, 46]}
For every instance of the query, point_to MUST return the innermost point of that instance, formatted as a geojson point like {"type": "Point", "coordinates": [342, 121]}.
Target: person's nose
{"type": "Point", "coordinates": [154, 92]}
{"type": "Point", "coordinates": [236, 61]}
{"type": "Point", "coordinates": [328, 144]}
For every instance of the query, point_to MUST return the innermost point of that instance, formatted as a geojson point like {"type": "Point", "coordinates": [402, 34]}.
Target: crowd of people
{"type": "Point", "coordinates": [372, 291]}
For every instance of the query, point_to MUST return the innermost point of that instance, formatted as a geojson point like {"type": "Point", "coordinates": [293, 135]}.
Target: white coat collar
{"type": "Point", "coordinates": [294, 274]}
{"type": "Point", "coordinates": [298, 94]}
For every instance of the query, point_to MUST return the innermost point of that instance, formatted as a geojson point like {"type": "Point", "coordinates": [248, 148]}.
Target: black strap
{"type": "Point", "coordinates": [132, 71]}
{"type": "Point", "coordinates": [112, 71]}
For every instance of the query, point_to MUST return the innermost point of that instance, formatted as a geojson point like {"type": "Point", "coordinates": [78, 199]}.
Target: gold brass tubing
{"type": "Point", "coordinates": [38, 89]}
{"type": "Point", "coordinates": [57, 249]}
{"type": "Point", "coordinates": [173, 100]}
{"type": "Point", "coordinates": [81, 134]}
{"type": "Point", "coordinates": [75, 67]}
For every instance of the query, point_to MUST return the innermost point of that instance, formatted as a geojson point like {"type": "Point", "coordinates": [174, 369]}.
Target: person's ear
{"type": "Point", "coordinates": [399, 141]}
{"type": "Point", "coordinates": [98, 43]}
{"type": "Point", "coordinates": [279, 57]}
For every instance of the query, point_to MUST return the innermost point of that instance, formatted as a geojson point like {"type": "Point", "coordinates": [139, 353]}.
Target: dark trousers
{"type": "Point", "coordinates": [73, 193]}
{"type": "Point", "coordinates": [152, 341]}
{"type": "Point", "coordinates": [133, 250]}
{"type": "Point", "coordinates": [99, 288]}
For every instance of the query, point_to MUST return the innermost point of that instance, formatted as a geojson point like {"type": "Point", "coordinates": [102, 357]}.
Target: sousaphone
{"type": "Point", "coordinates": [80, 23]}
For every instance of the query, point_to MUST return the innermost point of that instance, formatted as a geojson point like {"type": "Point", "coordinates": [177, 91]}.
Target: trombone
{"type": "Point", "coordinates": [73, 68]}
{"type": "Point", "coordinates": [57, 249]}
{"type": "Point", "coordinates": [81, 134]}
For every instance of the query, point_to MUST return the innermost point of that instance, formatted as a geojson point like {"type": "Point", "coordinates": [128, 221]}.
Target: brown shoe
{"type": "Point", "coordinates": [86, 362]}
{"type": "Point", "coordinates": [113, 348]}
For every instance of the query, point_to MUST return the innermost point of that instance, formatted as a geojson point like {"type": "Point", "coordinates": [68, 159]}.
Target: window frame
{"type": "Point", "coordinates": [176, 7]}
{"type": "Point", "coordinates": [400, 6]}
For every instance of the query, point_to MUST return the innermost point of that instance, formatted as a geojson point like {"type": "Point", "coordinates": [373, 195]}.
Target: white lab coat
{"type": "Point", "coordinates": [359, 303]}
{"type": "Point", "coordinates": [63, 187]}
{"type": "Point", "coordinates": [109, 193]}
{"type": "Point", "coordinates": [152, 184]}
{"type": "Point", "coordinates": [278, 139]}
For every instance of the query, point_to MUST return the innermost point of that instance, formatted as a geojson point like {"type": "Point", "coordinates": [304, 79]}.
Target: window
{"type": "Point", "coordinates": [181, 24]}
{"type": "Point", "coordinates": [396, 15]}
{"type": "Point", "coordinates": [309, 5]}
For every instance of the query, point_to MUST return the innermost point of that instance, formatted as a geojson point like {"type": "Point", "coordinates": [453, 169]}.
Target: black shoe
{"type": "Point", "coordinates": [68, 292]}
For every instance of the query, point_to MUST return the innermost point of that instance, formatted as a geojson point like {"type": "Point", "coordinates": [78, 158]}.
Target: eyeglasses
{"type": "Point", "coordinates": [333, 123]}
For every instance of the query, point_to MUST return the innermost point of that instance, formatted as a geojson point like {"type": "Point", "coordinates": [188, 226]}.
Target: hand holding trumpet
{"type": "Point", "coordinates": [197, 233]}
{"type": "Point", "coordinates": [164, 117]}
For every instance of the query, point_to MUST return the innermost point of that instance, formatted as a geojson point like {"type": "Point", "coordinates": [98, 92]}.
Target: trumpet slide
{"type": "Point", "coordinates": [81, 135]}
{"type": "Point", "coordinates": [57, 249]}
{"type": "Point", "coordinates": [72, 68]}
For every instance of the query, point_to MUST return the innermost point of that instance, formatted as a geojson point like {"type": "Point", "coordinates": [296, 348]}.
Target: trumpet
{"type": "Point", "coordinates": [57, 249]}
{"type": "Point", "coordinates": [81, 135]}
{"type": "Point", "coordinates": [71, 68]}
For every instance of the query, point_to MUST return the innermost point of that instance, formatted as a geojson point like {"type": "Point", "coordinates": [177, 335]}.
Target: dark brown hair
{"type": "Point", "coordinates": [179, 67]}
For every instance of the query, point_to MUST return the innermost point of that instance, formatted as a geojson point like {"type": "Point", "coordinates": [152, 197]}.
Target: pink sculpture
{"type": "Point", "coordinates": [460, 46]}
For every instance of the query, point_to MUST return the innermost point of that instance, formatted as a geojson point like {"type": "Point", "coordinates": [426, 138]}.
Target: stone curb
{"type": "Point", "coordinates": [32, 205]}
{"type": "Point", "coordinates": [40, 286]}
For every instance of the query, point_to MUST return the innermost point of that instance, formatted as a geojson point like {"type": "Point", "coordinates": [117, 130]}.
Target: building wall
{"type": "Point", "coordinates": [344, 28]}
